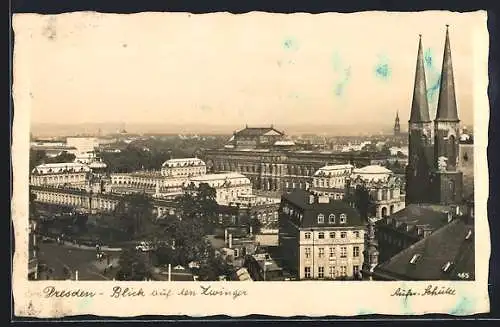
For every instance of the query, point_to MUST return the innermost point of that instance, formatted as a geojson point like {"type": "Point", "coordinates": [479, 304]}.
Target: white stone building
{"type": "Point", "coordinates": [60, 174]}
{"type": "Point", "coordinates": [229, 187]}
{"type": "Point", "coordinates": [183, 167]}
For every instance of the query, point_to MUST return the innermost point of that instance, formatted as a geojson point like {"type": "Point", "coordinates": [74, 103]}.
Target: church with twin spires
{"type": "Point", "coordinates": [432, 174]}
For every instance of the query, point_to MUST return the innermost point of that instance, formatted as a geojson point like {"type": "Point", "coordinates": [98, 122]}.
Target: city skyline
{"type": "Point", "coordinates": [274, 83]}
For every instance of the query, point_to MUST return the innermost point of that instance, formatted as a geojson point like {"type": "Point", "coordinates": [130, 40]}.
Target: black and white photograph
{"type": "Point", "coordinates": [331, 150]}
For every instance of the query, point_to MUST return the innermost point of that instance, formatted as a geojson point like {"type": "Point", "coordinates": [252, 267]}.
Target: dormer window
{"type": "Point", "coordinates": [343, 218]}
{"type": "Point", "coordinates": [446, 268]}
{"type": "Point", "coordinates": [307, 235]}
{"type": "Point", "coordinates": [331, 219]}
{"type": "Point", "coordinates": [321, 219]}
{"type": "Point", "coordinates": [415, 259]}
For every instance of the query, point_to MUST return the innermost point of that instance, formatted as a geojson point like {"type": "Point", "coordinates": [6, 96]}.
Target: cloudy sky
{"type": "Point", "coordinates": [222, 69]}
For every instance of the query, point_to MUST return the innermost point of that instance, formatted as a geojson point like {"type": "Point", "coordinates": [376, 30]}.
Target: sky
{"type": "Point", "coordinates": [224, 69]}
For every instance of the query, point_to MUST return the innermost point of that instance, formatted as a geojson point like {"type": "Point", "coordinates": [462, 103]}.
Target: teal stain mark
{"type": "Point", "coordinates": [336, 62]}
{"type": "Point", "coordinates": [362, 312]}
{"type": "Point", "coordinates": [84, 303]}
{"type": "Point", "coordinates": [464, 307]}
{"type": "Point", "coordinates": [291, 44]}
{"type": "Point", "coordinates": [433, 75]}
{"type": "Point", "coordinates": [383, 68]}
{"type": "Point", "coordinates": [428, 58]}
{"type": "Point", "coordinates": [343, 81]}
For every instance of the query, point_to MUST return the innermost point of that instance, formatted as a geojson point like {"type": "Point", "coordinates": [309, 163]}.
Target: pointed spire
{"type": "Point", "coordinates": [447, 103]}
{"type": "Point", "coordinates": [397, 115]}
{"type": "Point", "coordinates": [420, 105]}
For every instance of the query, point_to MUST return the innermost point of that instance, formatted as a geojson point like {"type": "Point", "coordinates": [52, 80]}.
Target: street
{"type": "Point", "coordinates": [62, 258]}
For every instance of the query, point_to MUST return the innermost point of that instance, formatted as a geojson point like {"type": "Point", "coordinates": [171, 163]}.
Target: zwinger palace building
{"type": "Point", "coordinates": [275, 164]}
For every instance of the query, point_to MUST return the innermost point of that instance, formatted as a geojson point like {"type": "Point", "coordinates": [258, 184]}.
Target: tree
{"type": "Point", "coordinates": [62, 157]}
{"type": "Point", "coordinates": [133, 266]}
{"type": "Point", "coordinates": [135, 212]}
{"type": "Point", "coordinates": [37, 157]}
{"type": "Point", "coordinates": [199, 202]}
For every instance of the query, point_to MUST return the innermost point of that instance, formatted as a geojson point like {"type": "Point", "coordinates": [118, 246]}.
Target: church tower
{"type": "Point", "coordinates": [420, 149]}
{"type": "Point", "coordinates": [446, 180]}
{"type": "Point", "coordinates": [397, 126]}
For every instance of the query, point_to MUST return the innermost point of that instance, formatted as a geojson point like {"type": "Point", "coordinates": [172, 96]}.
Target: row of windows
{"type": "Point", "coordinates": [321, 235]}
{"type": "Point", "coordinates": [343, 252]}
{"type": "Point", "coordinates": [331, 218]}
{"type": "Point", "coordinates": [331, 272]}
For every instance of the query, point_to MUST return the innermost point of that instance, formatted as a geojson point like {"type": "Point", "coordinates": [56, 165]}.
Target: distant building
{"type": "Point", "coordinates": [256, 137]}
{"type": "Point", "coordinates": [183, 168]}
{"type": "Point", "coordinates": [320, 238]}
{"type": "Point", "coordinates": [228, 187]}
{"type": "Point", "coordinates": [397, 126]}
{"type": "Point", "coordinates": [83, 144]}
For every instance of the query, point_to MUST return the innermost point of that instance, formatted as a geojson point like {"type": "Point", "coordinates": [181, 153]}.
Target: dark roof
{"type": "Point", "coordinates": [256, 131]}
{"type": "Point", "coordinates": [433, 216]}
{"type": "Point", "coordinates": [447, 244]}
{"type": "Point", "coordinates": [301, 199]}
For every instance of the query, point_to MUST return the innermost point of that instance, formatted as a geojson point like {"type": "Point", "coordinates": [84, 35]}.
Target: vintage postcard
{"type": "Point", "coordinates": [184, 164]}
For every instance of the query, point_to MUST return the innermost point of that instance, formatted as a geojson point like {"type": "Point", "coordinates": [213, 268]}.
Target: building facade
{"type": "Point", "coordinates": [61, 174]}
{"type": "Point", "coordinates": [320, 238]}
{"type": "Point", "coordinates": [92, 202]}
{"type": "Point", "coordinates": [384, 187]}
{"type": "Point", "coordinates": [274, 170]}
{"type": "Point", "coordinates": [331, 180]}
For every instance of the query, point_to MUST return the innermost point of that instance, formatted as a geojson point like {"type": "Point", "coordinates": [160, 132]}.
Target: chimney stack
{"type": "Point", "coordinates": [450, 216]}
{"type": "Point", "coordinates": [230, 241]}
{"type": "Point", "coordinates": [311, 199]}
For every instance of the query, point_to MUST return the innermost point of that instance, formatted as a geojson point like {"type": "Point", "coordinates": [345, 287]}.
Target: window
{"type": "Point", "coordinates": [321, 272]}
{"type": "Point", "coordinates": [343, 271]}
{"type": "Point", "coordinates": [236, 253]}
{"type": "Point", "coordinates": [332, 272]}
{"type": "Point", "coordinates": [343, 234]}
{"type": "Point", "coordinates": [332, 234]}
{"type": "Point", "coordinates": [308, 252]}
{"type": "Point", "coordinates": [332, 252]}
{"type": "Point", "coordinates": [343, 218]}
{"type": "Point", "coordinates": [307, 235]}
{"type": "Point", "coordinates": [415, 258]}
{"type": "Point", "coordinates": [355, 270]}
{"type": "Point", "coordinates": [331, 219]}
{"type": "Point", "coordinates": [355, 251]}
{"type": "Point", "coordinates": [321, 235]}
{"type": "Point", "coordinates": [343, 252]}
{"type": "Point", "coordinates": [307, 272]}
{"type": "Point", "coordinates": [356, 234]}
{"type": "Point", "coordinates": [321, 253]}
{"type": "Point", "coordinates": [321, 219]}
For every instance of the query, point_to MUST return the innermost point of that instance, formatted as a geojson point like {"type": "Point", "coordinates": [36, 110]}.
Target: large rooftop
{"type": "Point", "coordinates": [447, 254]}
{"type": "Point", "coordinates": [214, 177]}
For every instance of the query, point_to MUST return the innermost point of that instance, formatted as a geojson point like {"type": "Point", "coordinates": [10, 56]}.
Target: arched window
{"type": "Point", "coordinates": [451, 151]}
{"type": "Point", "coordinates": [384, 212]}
{"type": "Point", "coordinates": [321, 219]}
{"type": "Point", "coordinates": [331, 219]}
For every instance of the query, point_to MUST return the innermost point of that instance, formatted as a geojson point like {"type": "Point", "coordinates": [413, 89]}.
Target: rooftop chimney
{"type": "Point", "coordinates": [311, 199]}
{"type": "Point", "coordinates": [230, 241]}
{"type": "Point", "coordinates": [450, 216]}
